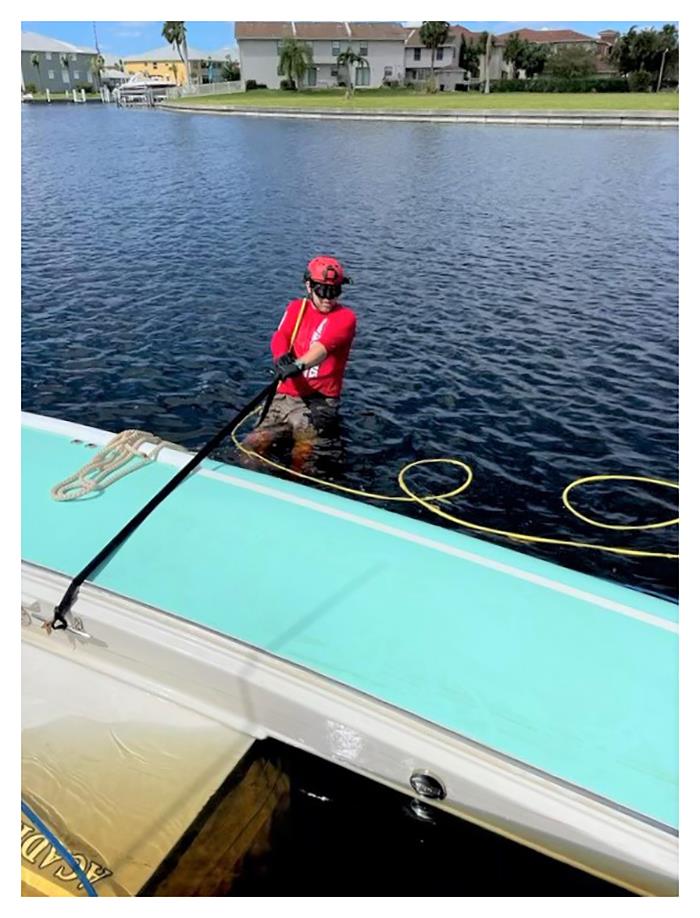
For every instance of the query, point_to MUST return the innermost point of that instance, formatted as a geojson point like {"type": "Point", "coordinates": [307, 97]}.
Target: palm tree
{"type": "Point", "coordinates": [296, 57]}
{"type": "Point", "coordinates": [347, 60]}
{"type": "Point", "coordinates": [97, 65]}
{"type": "Point", "coordinates": [469, 57]}
{"type": "Point", "coordinates": [175, 33]}
{"type": "Point", "coordinates": [668, 44]}
{"type": "Point", "coordinates": [36, 65]}
{"type": "Point", "coordinates": [434, 35]}
{"type": "Point", "coordinates": [484, 47]}
{"type": "Point", "coordinates": [230, 70]}
{"type": "Point", "coordinates": [514, 53]}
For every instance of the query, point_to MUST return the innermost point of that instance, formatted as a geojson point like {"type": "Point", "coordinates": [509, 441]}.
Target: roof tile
{"type": "Point", "coordinates": [32, 41]}
{"type": "Point", "coordinates": [310, 31]}
{"type": "Point", "coordinates": [413, 39]}
{"type": "Point", "coordinates": [263, 30]}
{"type": "Point", "coordinates": [548, 36]}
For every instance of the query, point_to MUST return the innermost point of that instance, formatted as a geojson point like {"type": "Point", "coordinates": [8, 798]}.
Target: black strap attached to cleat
{"type": "Point", "coordinates": [59, 622]}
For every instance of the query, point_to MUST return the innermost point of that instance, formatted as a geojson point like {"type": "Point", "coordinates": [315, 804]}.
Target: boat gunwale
{"type": "Point", "coordinates": [195, 631]}
{"type": "Point", "coordinates": [237, 478]}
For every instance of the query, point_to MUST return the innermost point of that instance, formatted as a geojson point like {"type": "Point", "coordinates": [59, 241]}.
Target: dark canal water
{"type": "Point", "coordinates": [516, 291]}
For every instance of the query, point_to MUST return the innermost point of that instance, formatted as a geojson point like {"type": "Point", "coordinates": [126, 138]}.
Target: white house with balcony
{"type": "Point", "coordinates": [381, 44]}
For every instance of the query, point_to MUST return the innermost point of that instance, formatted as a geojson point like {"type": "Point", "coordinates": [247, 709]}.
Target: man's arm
{"type": "Point", "coordinates": [340, 333]}
{"type": "Point", "coordinates": [281, 339]}
{"type": "Point", "coordinates": [316, 354]}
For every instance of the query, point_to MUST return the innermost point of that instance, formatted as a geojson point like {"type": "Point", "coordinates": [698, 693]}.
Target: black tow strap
{"type": "Point", "coordinates": [59, 613]}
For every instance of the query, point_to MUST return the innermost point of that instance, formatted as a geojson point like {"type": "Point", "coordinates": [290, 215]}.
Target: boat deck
{"type": "Point", "coordinates": [119, 773]}
{"type": "Point", "coordinates": [567, 673]}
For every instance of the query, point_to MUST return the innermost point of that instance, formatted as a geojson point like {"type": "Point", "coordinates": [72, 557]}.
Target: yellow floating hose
{"type": "Point", "coordinates": [427, 501]}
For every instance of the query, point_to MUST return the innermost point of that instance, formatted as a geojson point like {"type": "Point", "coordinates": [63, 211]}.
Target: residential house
{"type": "Point", "coordinates": [48, 63]}
{"type": "Point", "coordinates": [446, 62]}
{"type": "Point", "coordinates": [205, 66]}
{"type": "Point", "coordinates": [381, 44]}
{"type": "Point", "coordinates": [559, 39]}
{"type": "Point", "coordinates": [497, 67]}
{"type": "Point", "coordinates": [395, 53]}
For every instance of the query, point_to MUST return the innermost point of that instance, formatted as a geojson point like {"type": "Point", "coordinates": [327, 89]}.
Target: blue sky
{"type": "Point", "coordinates": [122, 38]}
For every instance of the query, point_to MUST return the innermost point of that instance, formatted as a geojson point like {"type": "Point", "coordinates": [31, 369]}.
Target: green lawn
{"type": "Point", "coordinates": [411, 99]}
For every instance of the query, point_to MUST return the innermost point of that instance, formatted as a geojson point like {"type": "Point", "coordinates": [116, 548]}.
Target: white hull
{"type": "Point", "coordinates": [256, 694]}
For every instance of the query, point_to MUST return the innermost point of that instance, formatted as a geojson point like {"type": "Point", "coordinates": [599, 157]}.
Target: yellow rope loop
{"type": "Point", "coordinates": [428, 502]}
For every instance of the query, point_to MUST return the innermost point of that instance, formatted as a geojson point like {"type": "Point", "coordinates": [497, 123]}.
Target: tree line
{"type": "Point", "coordinates": [641, 56]}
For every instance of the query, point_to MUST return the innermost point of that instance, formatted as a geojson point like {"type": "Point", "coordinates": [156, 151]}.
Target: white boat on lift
{"type": "Point", "coordinates": [142, 89]}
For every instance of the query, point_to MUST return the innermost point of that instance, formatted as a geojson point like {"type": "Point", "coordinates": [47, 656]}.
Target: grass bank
{"type": "Point", "coordinates": [410, 100]}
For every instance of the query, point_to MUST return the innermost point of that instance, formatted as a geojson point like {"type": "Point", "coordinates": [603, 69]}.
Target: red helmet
{"type": "Point", "coordinates": [326, 270]}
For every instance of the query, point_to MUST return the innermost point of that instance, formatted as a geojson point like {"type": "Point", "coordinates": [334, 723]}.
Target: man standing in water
{"type": "Point", "coordinates": [310, 349]}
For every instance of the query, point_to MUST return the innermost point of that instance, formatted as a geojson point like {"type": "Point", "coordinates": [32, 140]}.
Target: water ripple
{"type": "Point", "coordinates": [516, 292]}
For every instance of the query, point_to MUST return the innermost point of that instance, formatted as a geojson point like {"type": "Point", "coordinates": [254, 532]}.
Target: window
{"type": "Point", "coordinates": [388, 71]}
{"type": "Point", "coordinates": [311, 76]}
{"type": "Point", "coordinates": [76, 74]}
{"type": "Point", "coordinates": [50, 74]}
{"type": "Point", "coordinates": [364, 49]}
{"type": "Point", "coordinates": [66, 76]}
{"type": "Point", "coordinates": [47, 55]}
{"type": "Point", "coordinates": [362, 76]}
{"type": "Point", "coordinates": [416, 54]}
{"type": "Point", "coordinates": [439, 53]}
{"type": "Point", "coordinates": [335, 48]}
{"type": "Point", "coordinates": [334, 71]}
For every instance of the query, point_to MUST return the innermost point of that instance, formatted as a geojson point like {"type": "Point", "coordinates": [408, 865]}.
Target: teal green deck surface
{"type": "Point", "coordinates": [580, 691]}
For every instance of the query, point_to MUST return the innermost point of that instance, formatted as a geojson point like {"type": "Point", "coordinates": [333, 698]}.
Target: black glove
{"type": "Point", "coordinates": [287, 366]}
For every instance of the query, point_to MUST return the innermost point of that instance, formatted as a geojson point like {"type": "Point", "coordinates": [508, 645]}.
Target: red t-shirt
{"type": "Point", "coordinates": [334, 330]}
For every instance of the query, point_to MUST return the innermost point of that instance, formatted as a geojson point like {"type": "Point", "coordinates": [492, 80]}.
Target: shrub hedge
{"type": "Point", "coordinates": [562, 84]}
{"type": "Point", "coordinates": [640, 81]}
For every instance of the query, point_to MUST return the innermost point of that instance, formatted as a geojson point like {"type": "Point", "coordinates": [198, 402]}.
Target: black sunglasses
{"type": "Point", "coordinates": [327, 291]}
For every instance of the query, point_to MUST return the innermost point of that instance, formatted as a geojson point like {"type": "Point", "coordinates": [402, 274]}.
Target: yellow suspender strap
{"type": "Point", "coordinates": [302, 308]}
